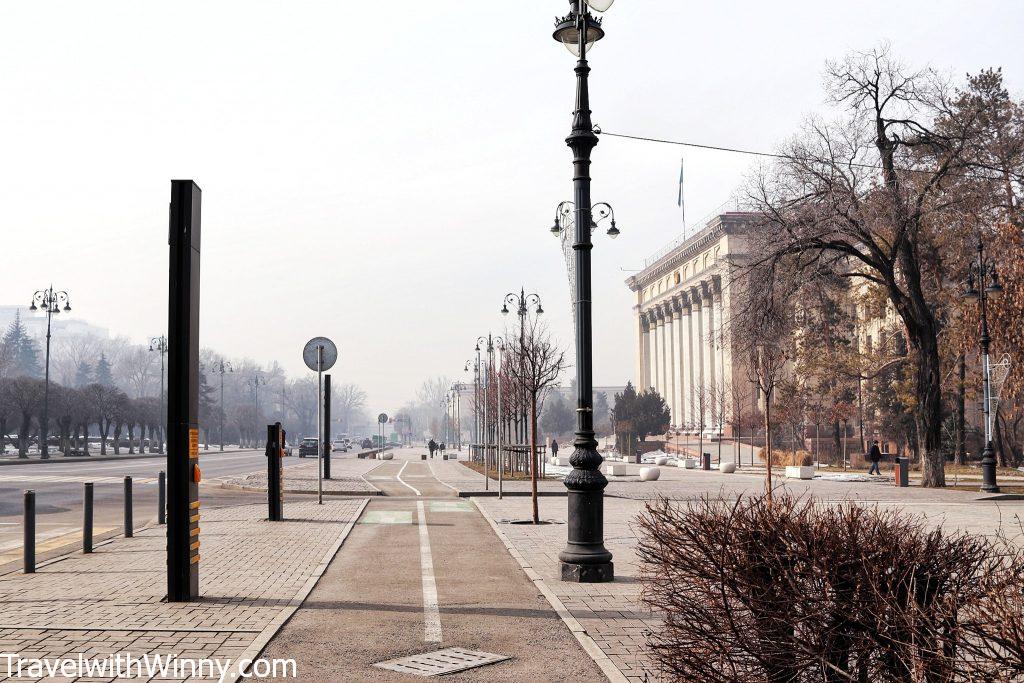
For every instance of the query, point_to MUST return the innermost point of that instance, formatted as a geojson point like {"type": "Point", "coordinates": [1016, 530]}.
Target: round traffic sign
{"type": "Point", "coordinates": [328, 356]}
{"type": "Point", "coordinates": [382, 418]}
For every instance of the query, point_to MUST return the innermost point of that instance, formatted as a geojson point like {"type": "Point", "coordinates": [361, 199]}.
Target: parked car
{"type": "Point", "coordinates": [339, 445]}
{"type": "Point", "coordinates": [307, 447]}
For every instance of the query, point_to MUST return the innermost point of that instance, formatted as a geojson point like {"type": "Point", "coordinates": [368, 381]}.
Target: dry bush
{"type": "Point", "coordinates": [792, 590]}
{"type": "Point", "coordinates": [782, 458]}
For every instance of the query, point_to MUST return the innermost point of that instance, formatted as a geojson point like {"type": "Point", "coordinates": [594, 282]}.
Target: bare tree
{"type": "Point", "coordinates": [867, 196]}
{"type": "Point", "coordinates": [348, 400]}
{"type": "Point", "coordinates": [535, 362]}
{"type": "Point", "coordinates": [25, 395]}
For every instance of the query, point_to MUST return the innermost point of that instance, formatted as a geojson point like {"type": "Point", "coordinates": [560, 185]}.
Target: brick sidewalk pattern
{"type": "Point", "coordinates": [111, 601]}
{"type": "Point", "coordinates": [612, 614]}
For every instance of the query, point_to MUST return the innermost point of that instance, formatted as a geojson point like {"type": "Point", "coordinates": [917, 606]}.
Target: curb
{"type": "Point", "coordinates": [254, 489]}
{"type": "Point", "coordinates": [511, 494]}
{"type": "Point", "coordinates": [574, 626]}
{"type": "Point", "coordinates": [83, 458]}
{"type": "Point", "coordinates": [253, 651]}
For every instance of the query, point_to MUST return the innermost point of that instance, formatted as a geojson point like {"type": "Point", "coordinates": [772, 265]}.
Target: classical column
{"type": "Point", "coordinates": [708, 345]}
{"type": "Point", "coordinates": [644, 351]}
{"type": "Point", "coordinates": [677, 360]}
{"type": "Point", "coordinates": [655, 359]}
{"type": "Point", "coordinates": [696, 337]}
{"type": "Point", "coordinates": [670, 365]}
{"type": "Point", "coordinates": [686, 354]}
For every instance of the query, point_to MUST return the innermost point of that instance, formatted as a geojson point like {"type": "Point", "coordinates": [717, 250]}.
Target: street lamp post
{"type": "Point", "coordinates": [221, 367]}
{"type": "Point", "coordinates": [987, 284]}
{"type": "Point", "coordinates": [522, 302]}
{"type": "Point", "coordinates": [49, 301]}
{"type": "Point", "coordinates": [584, 559]}
{"type": "Point", "coordinates": [159, 345]}
{"type": "Point", "coordinates": [256, 381]}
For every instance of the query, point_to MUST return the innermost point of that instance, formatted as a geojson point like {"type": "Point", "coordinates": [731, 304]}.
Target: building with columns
{"type": "Point", "coordinates": [681, 314]}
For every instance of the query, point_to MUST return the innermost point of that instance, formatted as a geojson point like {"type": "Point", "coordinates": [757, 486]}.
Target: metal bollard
{"type": "Point", "coordinates": [87, 519]}
{"type": "Point", "coordinates": [30, 531]}
{"type": "Point", "coordinates": [128, 507]}
{"type": "Point", "coordinates": [161, 498]}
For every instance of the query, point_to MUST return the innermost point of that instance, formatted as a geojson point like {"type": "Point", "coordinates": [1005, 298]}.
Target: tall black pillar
{"type": "Point", "coordinates": [327, 426]}
{"type": "Point", "coordinates": [183, 394]}
{"type": "Point", "coordinates": [275, 475]}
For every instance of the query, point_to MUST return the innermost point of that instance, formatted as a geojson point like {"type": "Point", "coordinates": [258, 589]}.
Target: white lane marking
{"type": "Point", "coordinates": [399, 477]}
{"type": "Point", "coordinates": [431, 612]}
{"type": "Point", "coordinates": [431, 468]}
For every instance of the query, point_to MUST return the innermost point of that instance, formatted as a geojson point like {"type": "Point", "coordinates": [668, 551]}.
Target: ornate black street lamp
{"type": "Point", "coordinates": [584, 559]}
{"type": "Point", "coordinates": [256, 381]}
{"type": "Point", "coordinates": [476, 399]}
{"type": "Point", "coordinates": [522, 302]}
{"type": "Point", "coordinates": [984, 270]}
{"type": "Point", "coordinates": [50, 301]}
{"type": "Point", "coordinates": [159, 345]}
{"type": "Point", "coordinates": [222, 367]}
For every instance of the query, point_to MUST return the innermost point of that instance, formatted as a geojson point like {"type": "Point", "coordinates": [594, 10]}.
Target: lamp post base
{"type": "Point", "coordinates": [588, 573]}
{"type": "Point", "coordinates": [988, 470]}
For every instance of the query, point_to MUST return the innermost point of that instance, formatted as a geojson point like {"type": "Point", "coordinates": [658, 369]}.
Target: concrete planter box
{"type": "Point", "coordinates": [688, 463]}
{"type": "Point", "coordinates": [661, 460]}
{"type": "Point", "coordinates": [561, 461]}
{"type": "Point", "coordinates": [615, 470]}
{"type": "Point", "coordinates": [385, 456]}
{"type": "Point", "coordinates": [649, 473]}
{"type": "Point", "coordinates": [799, 472]}
{"type": "Point", "coordinates": [727, 467]}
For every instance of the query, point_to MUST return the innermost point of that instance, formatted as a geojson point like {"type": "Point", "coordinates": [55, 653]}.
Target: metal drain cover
{"type": "Point", "coordinates": [441, 662]}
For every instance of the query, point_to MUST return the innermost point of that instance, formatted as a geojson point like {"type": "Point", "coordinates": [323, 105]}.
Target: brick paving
{"type": "Point", "coordinates": [347, 477]}
{"type": "Point", "coordinates": [612, 615]}
{"type": "Point", "coordinates": [253, 574]}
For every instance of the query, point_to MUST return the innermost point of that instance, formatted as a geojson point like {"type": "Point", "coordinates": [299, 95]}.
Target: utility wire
{"type": "Point", "coordinates": [771, 155]}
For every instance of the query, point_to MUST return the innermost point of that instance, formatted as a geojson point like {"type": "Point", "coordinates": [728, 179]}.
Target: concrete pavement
{"type": "Point", "coordinates": [420, 572]}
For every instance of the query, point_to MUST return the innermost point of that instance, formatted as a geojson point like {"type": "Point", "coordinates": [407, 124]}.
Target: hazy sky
{"type": "Point", "coordinates": [383, 173]}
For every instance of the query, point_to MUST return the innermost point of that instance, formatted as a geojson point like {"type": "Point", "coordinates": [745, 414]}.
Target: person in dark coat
{"type": "Point", "coordinates": [875, 456]}
{"type": "Point", "coordinates": [432, 445]}
{"type": "Point", "coordinates": [554, 448]}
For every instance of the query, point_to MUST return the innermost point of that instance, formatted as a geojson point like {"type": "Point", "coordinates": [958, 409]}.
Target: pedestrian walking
{"type": "Point", "coordinates": [432, 445]}
{"type": "Point", "coordinates": [875, 456]}
{"type": "Point", "coordinates": [554, 448]}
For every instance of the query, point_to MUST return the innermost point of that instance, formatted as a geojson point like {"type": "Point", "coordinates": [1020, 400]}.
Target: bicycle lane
{"type": "Point", "coordinates": [420, 573]}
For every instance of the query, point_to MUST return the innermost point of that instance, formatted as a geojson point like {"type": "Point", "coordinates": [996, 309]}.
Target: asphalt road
{"type": "Point", "coordinates": [59, 490]}
{"type": "Point", "coordinates": [421, 571]}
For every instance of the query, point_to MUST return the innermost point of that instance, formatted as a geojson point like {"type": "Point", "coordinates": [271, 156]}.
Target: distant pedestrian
{"type": "Point", "coordinates": [875, 456]}
{"type": "Point", "coordinates": [554, 448]}
{"type": "Point", "coordinates": [442, 448]}
{"type": "Point", "coordinates": [432, 445]}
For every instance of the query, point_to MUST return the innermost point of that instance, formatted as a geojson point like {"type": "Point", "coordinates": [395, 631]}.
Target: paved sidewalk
{"type": "Point", "coordinates": [347, 478]}
{"type": "Point", "coordinates": [253, 575]}
{"type": "Point", "coordinates": [609, 618]}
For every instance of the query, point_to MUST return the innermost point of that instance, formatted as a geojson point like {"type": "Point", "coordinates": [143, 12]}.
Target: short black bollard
{"type": "Point", "coordinates": [128, 507]}
{"type": "Point", "coordinates": [87, 519]}
{"type": "Point", "coordinates": [161, 498]}
{"type": "Point", "coordinates": [30, 531]}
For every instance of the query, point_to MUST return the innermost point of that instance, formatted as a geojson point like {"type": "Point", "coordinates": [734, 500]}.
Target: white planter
{"type": "Point", "coordinates": [800, 472]}
{"type": "Point", "coordinates": [661, 460]}
{"type": "Point", "coordinates": [614, 470]}
{"type": "Point", "coordinates": [688, 463]}
{"type": "Point", "coordinates": [649, 473]}
{"type": "Point", "coordinates": [727, 467]}
{"type": "Point", "coordinates": [561, 461]}
{"type": "Point", "coordinates": [386, 456]}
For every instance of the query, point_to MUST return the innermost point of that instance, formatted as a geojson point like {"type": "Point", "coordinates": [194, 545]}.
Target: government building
{"type": "Point", "coordinates": [683, 303]}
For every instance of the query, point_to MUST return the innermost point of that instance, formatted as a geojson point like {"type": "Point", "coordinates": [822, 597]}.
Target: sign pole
{"type": "Point", "coordinates": [183, 393]}
{"type": "Point", "coordinates": [327, 426]}
{"type": "Point", "coordinates": [320, 424]}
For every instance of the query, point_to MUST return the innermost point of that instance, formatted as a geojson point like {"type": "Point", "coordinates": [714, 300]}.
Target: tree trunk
{"type": "Point", "coordinates": [533, 457]}
{"type": "Point", "coordinates": [131, 438]}
{"type": "Point", "coordinates": [837, 442]}
{"type": "Point", "coordinates": [104, 426]}
{"type": "Point", "coordinates": [26, 425]}
{"type": "Point", "coordinates": [768, 444]}
{"type": "Point", "coordinates": [117, 439]}
{"type": "Point", "coordinates": [960, 447]}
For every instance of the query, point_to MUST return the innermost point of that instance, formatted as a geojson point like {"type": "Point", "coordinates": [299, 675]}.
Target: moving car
{"type": "Point", "coordinates": [307, 447]}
